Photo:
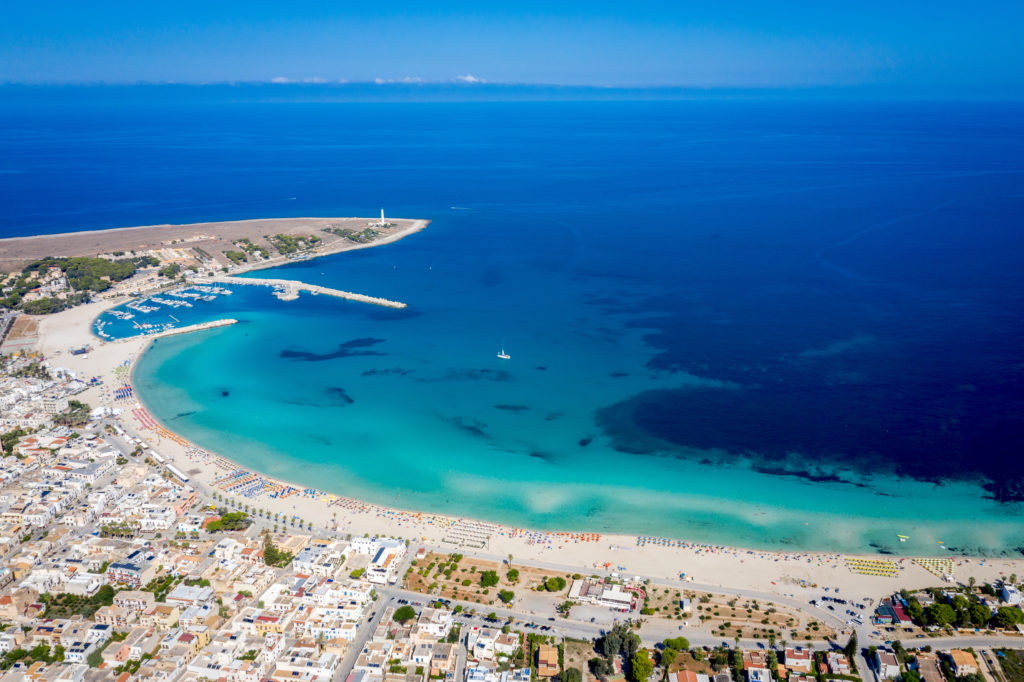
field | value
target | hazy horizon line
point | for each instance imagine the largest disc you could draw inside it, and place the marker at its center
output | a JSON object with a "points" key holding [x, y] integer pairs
{"points": [[469, 85]]}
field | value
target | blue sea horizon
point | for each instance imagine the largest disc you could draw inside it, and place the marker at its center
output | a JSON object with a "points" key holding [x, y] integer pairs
{"points": [[779, 325]]}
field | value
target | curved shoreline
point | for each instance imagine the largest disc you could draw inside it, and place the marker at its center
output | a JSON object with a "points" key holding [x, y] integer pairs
{"points": [[715, 565], [724, 565]]}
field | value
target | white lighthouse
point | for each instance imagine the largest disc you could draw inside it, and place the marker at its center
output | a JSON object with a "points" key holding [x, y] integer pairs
{"points": [[383, 222]]}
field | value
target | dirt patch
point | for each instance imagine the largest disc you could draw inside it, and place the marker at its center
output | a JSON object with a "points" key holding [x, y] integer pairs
{"points": [[686, 661], [731, 617], [24, 327], [452, 576], [577, 654]]}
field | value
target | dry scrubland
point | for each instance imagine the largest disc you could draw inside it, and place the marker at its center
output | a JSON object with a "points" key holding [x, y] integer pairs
{"points": [[214, 240], [453, 576]]}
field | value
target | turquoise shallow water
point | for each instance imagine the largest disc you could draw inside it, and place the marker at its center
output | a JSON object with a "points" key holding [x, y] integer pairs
{"points": [[787, 326], [421, 414]]}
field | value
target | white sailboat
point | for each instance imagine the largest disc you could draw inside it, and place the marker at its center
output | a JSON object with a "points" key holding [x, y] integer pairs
{"points": [[502, 354]]}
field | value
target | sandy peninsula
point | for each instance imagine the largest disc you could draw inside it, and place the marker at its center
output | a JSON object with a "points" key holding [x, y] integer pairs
{"points": [[199, 240]]}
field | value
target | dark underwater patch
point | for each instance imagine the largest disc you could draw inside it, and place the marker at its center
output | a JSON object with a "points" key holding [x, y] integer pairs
{"points": [[584, 442], [348, 349], [300, 403], [393, 371], [541, 368], [512, 408], [537, 454], [317, 438], [807, 475], [470, 375], [553, 416], [339, 396], [803, 429], [224, 393], [184, 414], [474, 427], [618, 375]]}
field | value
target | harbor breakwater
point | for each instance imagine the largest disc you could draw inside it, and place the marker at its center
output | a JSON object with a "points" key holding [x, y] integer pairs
{"points": [[184, 330], [289, 289]]}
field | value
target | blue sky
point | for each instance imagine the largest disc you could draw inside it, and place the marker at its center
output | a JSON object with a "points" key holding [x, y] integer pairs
{"points": [[925, 46]]}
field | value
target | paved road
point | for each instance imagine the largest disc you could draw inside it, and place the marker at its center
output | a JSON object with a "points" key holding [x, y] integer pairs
{"points": [[387, 595], [828, 617], [991, 641], [363, 634]]}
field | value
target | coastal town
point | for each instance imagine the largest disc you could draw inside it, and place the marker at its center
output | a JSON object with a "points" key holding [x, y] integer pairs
{"points": [[696, 357], [130, 553]]}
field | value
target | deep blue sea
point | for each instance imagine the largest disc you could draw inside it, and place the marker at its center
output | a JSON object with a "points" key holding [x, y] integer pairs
{"points": [[773, 324]]}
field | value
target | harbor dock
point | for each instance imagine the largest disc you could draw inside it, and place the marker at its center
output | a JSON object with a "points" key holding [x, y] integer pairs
{"points": [[288, 289], [185, 330]]}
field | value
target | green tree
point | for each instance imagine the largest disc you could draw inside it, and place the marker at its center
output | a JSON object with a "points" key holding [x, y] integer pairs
{"points": [[677, 643], [488, 579], [630, 645], [556, 584], [941, 615], [979, 614], [851, 647], [915, 611], [911, 676], [570, 675], [272, 556], [512, 575], [404, 613], [640, 666], [1008, 616], [40, 652], [600, 666], [105, 595], [506, 596]]}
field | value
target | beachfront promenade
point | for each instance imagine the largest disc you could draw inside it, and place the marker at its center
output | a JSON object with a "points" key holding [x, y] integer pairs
{"points": [[290, 288]]}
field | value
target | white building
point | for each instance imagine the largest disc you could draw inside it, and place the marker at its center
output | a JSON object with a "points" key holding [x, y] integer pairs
{"points": [[592, 592], [1010, 594], [434, 623], [78, 652], [888, 666], [83, 584], [384, 566]]}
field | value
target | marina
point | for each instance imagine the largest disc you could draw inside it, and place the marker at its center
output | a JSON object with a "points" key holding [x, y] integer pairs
{"points": [[174, 299], [288, 290]]}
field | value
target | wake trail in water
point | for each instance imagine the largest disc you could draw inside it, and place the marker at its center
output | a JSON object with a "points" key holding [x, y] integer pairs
{"points": [[850, 274]]}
